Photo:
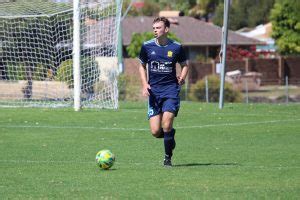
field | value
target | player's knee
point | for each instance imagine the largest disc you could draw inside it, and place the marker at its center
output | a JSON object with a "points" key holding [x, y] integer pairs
{"points": [[167, 127], [167, 124]]}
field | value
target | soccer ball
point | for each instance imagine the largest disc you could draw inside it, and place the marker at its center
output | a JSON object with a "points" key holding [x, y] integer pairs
{"points": [[105, 159]]}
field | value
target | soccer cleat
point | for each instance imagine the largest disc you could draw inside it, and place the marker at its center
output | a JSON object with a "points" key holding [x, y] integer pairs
{"points": [[167, 161]]}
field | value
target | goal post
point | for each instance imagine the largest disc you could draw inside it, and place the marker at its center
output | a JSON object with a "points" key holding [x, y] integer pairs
{"points": [[59, 53], [76, 54]]}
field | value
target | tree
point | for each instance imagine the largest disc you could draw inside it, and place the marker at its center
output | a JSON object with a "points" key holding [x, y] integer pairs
{"points": [[204, 8], [286, 26], [245, 13], [236, 17], [259, 12], [137, 40], [180, 5]]}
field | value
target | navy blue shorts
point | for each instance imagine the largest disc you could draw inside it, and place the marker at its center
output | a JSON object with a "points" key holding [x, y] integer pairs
{"points": [[157, 105]]}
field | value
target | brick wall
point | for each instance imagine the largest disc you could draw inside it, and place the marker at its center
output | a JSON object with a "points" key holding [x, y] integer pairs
{"points": [[236, 65], [291, 68], [267, 67], [198, 71]]}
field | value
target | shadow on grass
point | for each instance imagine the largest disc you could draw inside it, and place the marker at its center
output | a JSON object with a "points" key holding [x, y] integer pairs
{"points": [[206, 164]]}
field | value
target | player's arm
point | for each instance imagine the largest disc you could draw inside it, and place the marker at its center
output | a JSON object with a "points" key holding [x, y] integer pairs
{"points": [[143, 75], [183, 74]]}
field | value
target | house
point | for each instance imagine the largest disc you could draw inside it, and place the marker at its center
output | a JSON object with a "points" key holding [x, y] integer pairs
{"points": [[262, 33], [197, 37]]}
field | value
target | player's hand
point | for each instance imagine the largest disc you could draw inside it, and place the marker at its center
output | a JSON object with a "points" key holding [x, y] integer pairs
{"points": [[181, 81], [146, 89]]}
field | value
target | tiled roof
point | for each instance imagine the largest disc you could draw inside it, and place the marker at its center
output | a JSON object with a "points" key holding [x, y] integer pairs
{"points": [[191, 31]]}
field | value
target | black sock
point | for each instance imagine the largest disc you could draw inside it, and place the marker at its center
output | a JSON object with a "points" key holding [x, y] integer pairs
{"points": [[169, 142], [174, 143]]}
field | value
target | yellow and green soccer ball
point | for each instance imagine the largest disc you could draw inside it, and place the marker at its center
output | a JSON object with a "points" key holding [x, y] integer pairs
{"points": [[105, 159]]}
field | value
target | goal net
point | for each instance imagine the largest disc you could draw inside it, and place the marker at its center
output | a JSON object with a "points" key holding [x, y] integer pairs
{"points": [[37, 53]]}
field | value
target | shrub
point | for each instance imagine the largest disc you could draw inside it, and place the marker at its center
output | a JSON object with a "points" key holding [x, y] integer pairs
{"points": [[17, 71], [65, 73], [198, 93], [129, 88], [89, 72], [40, 72]]}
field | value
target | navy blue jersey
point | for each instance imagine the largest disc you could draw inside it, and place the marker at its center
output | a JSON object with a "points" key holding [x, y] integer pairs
{"points": [[161, 62]]}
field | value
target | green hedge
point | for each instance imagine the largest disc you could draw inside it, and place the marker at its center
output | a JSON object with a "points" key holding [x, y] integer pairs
{"points": [[198, 91], [89, 72], [129, 88], [17, 72]]}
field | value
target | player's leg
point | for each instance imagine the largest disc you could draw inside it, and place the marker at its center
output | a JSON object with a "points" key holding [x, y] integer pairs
{"points": [[155, 126], [155, 116], [170, 109], [167, 121], [169, 133]]}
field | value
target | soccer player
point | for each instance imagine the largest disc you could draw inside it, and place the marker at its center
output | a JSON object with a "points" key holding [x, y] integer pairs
{"points": [[160, 83]]}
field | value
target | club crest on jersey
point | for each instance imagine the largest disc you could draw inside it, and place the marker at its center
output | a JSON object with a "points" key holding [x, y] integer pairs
{"points": [[170, 54]]}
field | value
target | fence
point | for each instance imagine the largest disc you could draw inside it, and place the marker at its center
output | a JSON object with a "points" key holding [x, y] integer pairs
{"points": [[273, 70], [268, 93], [279, 81]]}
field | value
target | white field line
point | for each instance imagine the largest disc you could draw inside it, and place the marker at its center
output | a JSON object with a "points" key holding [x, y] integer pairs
{"points": [[220, 165], [76, 127], [146, 129], [239, 124], [213, 113]]}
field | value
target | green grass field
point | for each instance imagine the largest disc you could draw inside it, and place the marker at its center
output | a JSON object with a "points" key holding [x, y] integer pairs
{"points": [[240, 152]]}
